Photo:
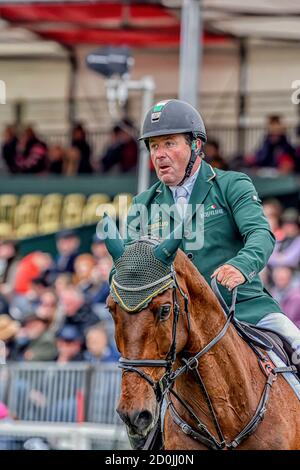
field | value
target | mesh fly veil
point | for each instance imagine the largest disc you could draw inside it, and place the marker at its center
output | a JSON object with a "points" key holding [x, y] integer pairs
{"points": [[139, 276]]}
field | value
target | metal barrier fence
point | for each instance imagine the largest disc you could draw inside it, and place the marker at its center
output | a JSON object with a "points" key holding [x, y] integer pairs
{"points": [[105, 386], [4, 381], [20, 435], [61, 393]]}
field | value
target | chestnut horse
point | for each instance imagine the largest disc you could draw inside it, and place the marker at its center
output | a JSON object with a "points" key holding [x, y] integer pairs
{"points": [[178, 347]]}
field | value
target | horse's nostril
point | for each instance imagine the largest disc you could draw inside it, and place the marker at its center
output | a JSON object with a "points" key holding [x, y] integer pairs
{"points": [[137, 421], [142, 420], [123, 415]]}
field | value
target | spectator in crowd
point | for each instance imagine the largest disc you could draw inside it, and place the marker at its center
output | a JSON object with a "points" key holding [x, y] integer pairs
{"points": [[35, 341], [286, 291], [36, 443], [69, 343], [83, 268], [29, 268], [24, 304], [67, 244], [9, 148], [297, 151], [4, 305], [76, 311], [61, 282], [276, 150], [287, 250], [100, 281], [4, 412], [98, 347], [47, 308], [31, 153], [8, 265], [213, 156], [72, 158], [8, 331], [6, 443], [80, 144], [122, 150], [56, 159], [273, 210], [30, 283], [98, 248]]}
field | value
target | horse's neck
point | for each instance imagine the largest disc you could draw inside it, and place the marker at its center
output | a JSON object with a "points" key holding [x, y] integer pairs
{"points": [[229, 370]]}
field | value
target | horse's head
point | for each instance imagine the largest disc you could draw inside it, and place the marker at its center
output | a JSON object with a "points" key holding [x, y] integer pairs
{"points": [[145, 305]]}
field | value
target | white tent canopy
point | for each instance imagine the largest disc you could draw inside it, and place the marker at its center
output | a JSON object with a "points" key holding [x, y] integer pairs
{"points": [[266, 19], [20, 42]]}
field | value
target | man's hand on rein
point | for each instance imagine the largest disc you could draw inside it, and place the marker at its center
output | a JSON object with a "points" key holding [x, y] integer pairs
{"points": [[228, 276]]}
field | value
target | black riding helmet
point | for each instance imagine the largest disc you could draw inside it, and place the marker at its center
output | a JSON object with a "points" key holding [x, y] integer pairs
{"points": [[175, 117]]}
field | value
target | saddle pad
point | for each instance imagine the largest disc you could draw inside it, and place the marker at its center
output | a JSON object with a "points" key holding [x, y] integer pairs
{"points": [[291, 379]]}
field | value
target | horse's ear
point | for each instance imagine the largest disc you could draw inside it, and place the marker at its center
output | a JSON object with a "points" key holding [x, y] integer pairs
{"points": [[166, 250], [112, 237]]}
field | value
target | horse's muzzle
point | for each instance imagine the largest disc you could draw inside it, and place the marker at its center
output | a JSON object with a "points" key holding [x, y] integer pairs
{"points": [[138, 421]]}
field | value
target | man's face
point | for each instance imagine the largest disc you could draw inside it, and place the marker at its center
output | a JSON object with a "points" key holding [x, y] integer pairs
{"points": [[99, 250], [7, 250], [67, 246], [170, 155], [69, 349], [71, 302]]}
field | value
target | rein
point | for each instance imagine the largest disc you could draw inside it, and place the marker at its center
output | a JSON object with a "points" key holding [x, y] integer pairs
{"points": [[163, 388]]}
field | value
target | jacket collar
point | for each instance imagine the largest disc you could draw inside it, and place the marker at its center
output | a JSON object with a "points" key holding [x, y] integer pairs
{"points": [[202, 186]]}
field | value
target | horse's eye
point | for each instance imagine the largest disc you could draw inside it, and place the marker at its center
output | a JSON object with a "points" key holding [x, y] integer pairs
{"points": [[164, 312]]}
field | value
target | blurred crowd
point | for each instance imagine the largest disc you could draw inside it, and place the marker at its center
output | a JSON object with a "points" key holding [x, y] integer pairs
{"points": [[24, 152], [53, 309], [276, 150], [282, 274], [275, 153]]}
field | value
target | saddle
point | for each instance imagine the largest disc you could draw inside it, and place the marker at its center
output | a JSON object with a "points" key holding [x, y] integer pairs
{"points": [[268, 340]]}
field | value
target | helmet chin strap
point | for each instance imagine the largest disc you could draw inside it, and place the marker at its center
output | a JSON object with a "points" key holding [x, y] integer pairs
{"points": [[195, 153]]}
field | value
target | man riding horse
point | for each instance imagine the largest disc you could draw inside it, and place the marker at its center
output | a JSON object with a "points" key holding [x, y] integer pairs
{"points": [[237, 239]]}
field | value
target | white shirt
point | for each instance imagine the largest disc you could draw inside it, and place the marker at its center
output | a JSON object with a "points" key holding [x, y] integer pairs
{"points": [[188, 185]]}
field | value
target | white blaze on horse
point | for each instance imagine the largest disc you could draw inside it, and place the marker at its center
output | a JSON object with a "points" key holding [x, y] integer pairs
{"points": [[180, 350]]}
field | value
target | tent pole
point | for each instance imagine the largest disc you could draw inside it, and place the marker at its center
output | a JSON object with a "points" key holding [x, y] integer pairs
{"points": [[190, 51], [143, 166], [72, 86], [243, 85]]}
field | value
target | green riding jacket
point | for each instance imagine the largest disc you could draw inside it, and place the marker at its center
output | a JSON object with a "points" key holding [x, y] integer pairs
{"points": [[226, 208]]}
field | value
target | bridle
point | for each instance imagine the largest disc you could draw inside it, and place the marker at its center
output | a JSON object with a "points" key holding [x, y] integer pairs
{"points": [[132, 365], [163, 388]]}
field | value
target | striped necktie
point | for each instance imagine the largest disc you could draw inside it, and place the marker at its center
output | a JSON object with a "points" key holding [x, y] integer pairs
{"points": [[181, 199]]}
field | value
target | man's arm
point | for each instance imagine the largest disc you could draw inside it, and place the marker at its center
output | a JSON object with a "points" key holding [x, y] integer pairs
{"points": [[248, 214]]}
